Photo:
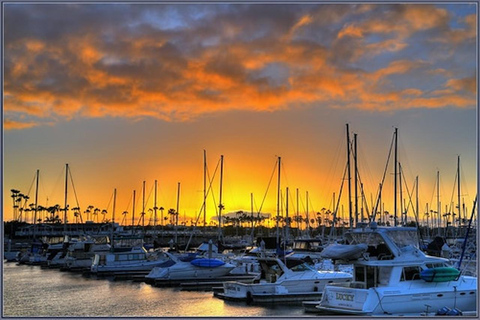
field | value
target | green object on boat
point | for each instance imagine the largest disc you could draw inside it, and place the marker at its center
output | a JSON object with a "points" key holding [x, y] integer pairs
{"points": [[439, 274]]}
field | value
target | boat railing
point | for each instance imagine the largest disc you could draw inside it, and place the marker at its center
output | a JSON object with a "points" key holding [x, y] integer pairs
{"points": [[357, 285], [340, 284]]}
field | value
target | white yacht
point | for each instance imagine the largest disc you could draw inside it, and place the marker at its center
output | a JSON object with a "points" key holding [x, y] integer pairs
{"points": [[394, 277], [278, 283], [80, 255], [198, 268], [135, 260]]}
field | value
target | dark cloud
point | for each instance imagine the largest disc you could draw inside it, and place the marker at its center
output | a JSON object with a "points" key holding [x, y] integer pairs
{"points": [[184, 60]]}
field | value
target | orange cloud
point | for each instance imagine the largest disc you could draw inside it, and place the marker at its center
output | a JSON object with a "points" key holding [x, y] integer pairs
{"points": [[155, 73], [9, 124]]}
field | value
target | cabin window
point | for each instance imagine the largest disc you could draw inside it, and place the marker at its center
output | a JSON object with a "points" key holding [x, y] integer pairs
{"points": [[371, 276], [122, 257], [410, 273], [384, 275], [360, 274], [403, 238]]}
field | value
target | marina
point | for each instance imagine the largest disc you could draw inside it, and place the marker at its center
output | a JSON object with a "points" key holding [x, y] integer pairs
{"points": [[238, 159], [391, 276]]}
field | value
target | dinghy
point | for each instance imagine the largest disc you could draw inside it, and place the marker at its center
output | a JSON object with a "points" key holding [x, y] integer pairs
{"points": [[439, 274]]}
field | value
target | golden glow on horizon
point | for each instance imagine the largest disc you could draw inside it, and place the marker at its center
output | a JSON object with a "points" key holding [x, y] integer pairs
{"points": [[126, 99]]}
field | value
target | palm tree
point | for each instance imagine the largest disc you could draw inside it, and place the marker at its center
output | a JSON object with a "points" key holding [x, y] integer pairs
{"points": [[172, 214], [104, 213], [95, 213], [161, 213]]}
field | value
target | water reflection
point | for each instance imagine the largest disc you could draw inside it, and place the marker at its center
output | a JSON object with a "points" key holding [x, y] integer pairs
{"points": [[31, 291]]}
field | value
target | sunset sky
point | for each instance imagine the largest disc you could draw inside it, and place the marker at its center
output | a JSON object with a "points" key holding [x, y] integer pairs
{"points": [[126, 93]]}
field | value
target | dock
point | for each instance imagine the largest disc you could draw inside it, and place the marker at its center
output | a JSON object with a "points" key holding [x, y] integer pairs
{"points": [[202, 284]]}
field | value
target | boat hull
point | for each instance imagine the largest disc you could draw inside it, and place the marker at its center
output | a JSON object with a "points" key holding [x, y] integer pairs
{"points": [[410, 299]]}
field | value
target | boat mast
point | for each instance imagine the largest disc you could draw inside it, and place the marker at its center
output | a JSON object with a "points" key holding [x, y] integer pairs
{"points": [[458, 190], [395, 180], [278, 202], [66, 191], [349, 181], [220, 205], [307, 218], [287, 221], [438, 203], [155, 208], [36, 205], [176, 216], [204, 189], [416, 201], [356, 177], [133, 213], [143, 207], [400, 193], [113, 213], [297, 216]]}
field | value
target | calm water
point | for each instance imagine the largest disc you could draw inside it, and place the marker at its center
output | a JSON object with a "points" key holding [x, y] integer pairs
{"points": [[30, 291]]}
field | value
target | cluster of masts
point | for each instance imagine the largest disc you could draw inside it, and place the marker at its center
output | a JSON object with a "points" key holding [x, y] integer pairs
{"points": [[358, 214]]}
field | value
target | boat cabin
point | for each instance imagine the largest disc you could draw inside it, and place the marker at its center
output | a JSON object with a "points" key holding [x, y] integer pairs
{"points": [[313, 245], [272, 268], [384, 243], [379, 269], [372, 276], [122, 257]]}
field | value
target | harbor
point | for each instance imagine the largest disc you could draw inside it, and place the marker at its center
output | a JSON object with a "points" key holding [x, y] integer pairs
{"points": [[240, 160], [384, 272]]}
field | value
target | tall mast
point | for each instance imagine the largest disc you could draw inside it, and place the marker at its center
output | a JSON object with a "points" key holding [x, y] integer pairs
{"points": [[400, 192], [113, 212], [395, 181], [458, 190], [204, 189], [287, 224], [36, 205], [308, 218], [349, 181], [298, 226], [438, 203], [251, 214], [155, 207], [356, 177], [176, 216], [143, 206], [133, 212], [66, 200], [220, 205], [416, 201], [278, 202], [114, 202]]}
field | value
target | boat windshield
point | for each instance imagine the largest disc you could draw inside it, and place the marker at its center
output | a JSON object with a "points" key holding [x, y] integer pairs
{"points": [[403, 238], [370, 239], [302, 267]]}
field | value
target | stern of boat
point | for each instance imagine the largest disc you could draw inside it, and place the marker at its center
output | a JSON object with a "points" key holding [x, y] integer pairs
{"points": [[344, 300], [234, 290]]}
